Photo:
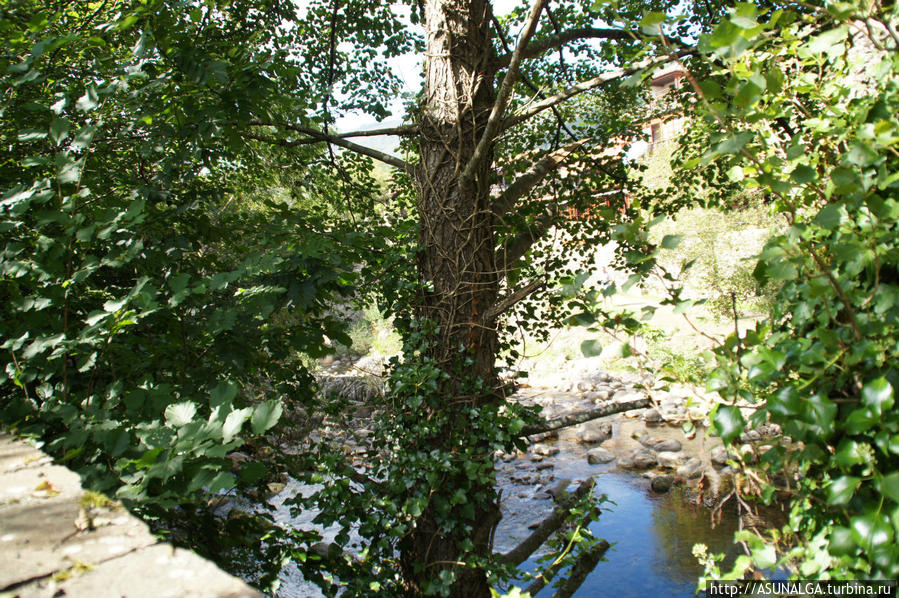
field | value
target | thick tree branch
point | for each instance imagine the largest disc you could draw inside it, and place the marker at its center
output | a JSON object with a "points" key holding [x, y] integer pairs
{"points": [[573, 419], [502, 98], [524, 183], [580, 88], [512, 251], [315, 136], [512, 298], [551, 43], [554, 521]]}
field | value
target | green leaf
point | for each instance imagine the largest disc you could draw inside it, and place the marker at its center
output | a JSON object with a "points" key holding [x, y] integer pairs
{"points": [[804, 174], [871, 531], [591, 348], [89, 100], [734, 143], [889, 486], [671, 241], [842, 489], [651, 22], [223, 481], [59, 130], [878, 395], [829, 217], [765, 557], [729, 422], [827, 41], [180, 414], [265, 416], [234, 422]]}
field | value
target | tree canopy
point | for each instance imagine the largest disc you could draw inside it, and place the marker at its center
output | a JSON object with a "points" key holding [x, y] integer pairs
{"points": [[182, 223]]}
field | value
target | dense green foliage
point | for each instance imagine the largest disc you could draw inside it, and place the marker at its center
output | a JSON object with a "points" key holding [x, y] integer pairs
{"points": [[804, 108], [146, 313]]}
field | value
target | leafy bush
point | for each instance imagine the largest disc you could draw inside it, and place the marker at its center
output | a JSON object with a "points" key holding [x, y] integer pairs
{"points": [[802, 104]]}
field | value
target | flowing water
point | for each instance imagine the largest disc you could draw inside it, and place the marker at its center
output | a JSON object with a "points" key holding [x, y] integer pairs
{"points": [[652, 535]]}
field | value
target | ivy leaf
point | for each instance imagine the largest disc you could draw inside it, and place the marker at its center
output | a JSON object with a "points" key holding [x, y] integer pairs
{"points": [[871, 531], [729, 422], [842, 489], [878, 395], [889, 485]]}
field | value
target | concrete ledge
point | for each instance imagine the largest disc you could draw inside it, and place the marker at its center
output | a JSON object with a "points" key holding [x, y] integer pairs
{"points": [[58, 540]]}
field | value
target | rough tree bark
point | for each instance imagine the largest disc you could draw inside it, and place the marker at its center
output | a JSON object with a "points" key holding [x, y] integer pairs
{"points": [[456, 263]]}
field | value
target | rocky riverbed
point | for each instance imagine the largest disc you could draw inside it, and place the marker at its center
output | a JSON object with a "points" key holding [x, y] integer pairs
{"points": [[667, 442], [664, 476]]}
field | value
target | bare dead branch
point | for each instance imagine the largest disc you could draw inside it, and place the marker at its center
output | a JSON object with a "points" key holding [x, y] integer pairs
{"points": [[315, 136], [400, 131], [537, 48], [554, 521], [512, 298], [502, 98], [524, 183], [573, 419], [580, 88]]}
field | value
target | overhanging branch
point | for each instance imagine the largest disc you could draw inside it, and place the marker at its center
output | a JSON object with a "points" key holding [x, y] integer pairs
{"points": [[315, 136], [537, 48], [554, 521], [400, 131], [511, 252], [573, 419], [580, 88], [512, 298]]}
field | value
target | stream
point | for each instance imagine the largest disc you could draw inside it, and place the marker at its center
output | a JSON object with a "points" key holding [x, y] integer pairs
{"points": [[652, 535]]}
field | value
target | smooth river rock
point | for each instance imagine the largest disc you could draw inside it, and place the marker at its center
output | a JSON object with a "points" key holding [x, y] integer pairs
{"points": [[691, 469], [642, 458], [594, 432], [599, 455], [662, 483], [671, 460]]}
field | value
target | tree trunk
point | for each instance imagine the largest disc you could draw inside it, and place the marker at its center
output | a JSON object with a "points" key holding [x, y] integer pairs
{"points": [[458, 272]]}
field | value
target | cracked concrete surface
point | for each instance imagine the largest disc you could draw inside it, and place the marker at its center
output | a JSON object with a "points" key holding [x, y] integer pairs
{"points": [[51, 544]]}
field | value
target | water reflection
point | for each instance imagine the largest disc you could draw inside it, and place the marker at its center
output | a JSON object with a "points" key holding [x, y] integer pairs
{"points": [[652, 540]]}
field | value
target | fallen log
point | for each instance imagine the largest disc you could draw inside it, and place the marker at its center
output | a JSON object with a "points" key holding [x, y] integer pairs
{"points": [[572, 419], [554, 521]]}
